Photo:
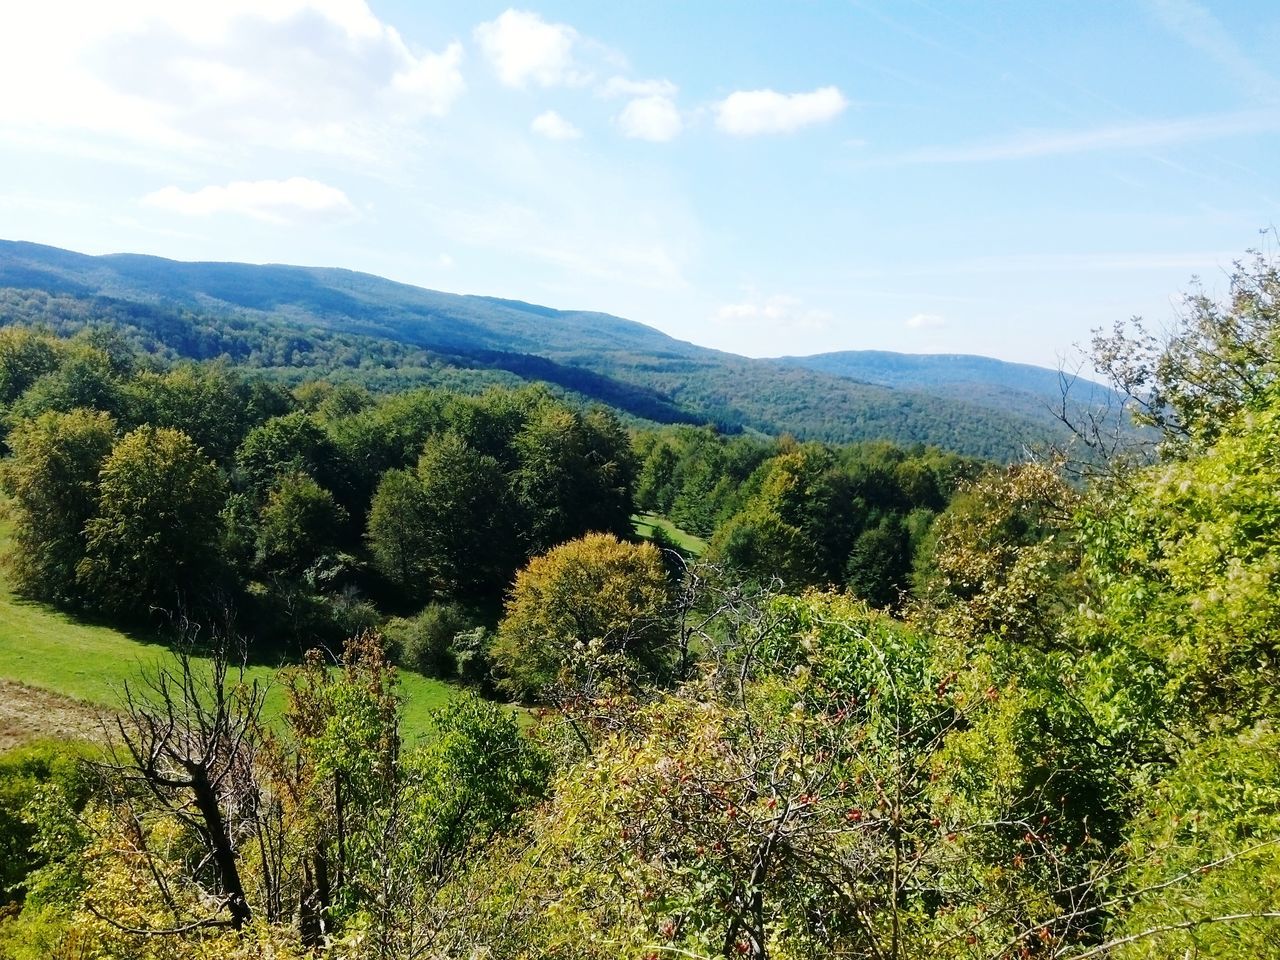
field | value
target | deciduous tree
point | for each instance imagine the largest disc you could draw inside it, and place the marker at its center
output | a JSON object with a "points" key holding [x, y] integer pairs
{"points": [[53, 480], [153, 539], [590, 609]]}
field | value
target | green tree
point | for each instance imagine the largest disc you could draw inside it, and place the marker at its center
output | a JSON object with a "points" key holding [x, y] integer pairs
{"points": [[575, 476], [85, 377], [1186, 556], [425, 642], [655, 486], [297, 525], [589, 610], [388, 435], [1220, 357], [207, 403], [25, 774], [25, 356], [466, 518], [341, 766], [154, 538], [797, 526], [53, 480], [879, 566], [1001, 560], [468, 781], [397, 531], [285, 445]]}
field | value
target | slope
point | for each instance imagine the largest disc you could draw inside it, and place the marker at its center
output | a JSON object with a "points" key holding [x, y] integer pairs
{"points": [[626, 364], [997, 384]]}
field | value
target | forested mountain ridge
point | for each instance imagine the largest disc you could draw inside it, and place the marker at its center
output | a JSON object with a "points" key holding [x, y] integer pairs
{"points": [[999, 384], [620, 362]]}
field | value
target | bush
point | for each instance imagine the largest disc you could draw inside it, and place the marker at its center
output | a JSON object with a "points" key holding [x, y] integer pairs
{"points": [[471, 653], [425, 642], [23, 771]]}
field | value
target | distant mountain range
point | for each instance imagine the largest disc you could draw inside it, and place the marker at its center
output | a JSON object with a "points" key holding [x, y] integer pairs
{"points": [[973, 405], [962, 376]]}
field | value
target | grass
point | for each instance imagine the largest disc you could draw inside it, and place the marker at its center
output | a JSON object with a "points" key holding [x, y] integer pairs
{"points": [[51, 650], [646, 523]]}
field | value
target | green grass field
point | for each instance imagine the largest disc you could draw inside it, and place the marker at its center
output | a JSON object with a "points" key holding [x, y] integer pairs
{"points": [[42, 647], [646, 523]]}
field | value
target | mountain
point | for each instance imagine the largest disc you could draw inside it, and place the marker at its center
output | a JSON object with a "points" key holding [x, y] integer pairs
{"points": [[997, 384], [188, 308]]}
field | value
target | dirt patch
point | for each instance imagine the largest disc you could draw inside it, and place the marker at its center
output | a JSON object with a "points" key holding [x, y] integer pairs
{"points": [[29, 713]]}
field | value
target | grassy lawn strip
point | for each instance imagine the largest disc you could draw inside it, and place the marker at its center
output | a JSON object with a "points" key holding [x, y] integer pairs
{"points": [[45, 648], [646, 523]]}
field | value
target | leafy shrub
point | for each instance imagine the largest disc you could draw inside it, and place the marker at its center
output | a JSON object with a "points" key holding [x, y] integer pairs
{"points": [[425, 642], [24, 771]]}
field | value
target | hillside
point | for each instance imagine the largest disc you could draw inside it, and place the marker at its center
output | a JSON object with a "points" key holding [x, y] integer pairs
{"points": [[620, 362], [997, 384]]}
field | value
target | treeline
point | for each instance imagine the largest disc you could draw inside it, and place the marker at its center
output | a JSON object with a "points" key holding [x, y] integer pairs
{"points": [[141, 484], [306, 324], [138, 487], [294, 350], [809, 514]]}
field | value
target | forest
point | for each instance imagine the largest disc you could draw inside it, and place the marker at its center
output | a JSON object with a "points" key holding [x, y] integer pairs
{"points": [[298, 322], [856, 700]]}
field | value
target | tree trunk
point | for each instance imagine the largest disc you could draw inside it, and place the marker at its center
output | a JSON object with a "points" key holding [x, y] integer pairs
{"points": [[224, 856]]}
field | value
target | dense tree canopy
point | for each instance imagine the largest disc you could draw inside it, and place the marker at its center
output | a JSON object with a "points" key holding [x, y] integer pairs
{"points": [[53, 480], [152, 540]]}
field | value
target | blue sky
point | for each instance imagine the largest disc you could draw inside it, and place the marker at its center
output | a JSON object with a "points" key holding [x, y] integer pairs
{"points": [[767, 178]]}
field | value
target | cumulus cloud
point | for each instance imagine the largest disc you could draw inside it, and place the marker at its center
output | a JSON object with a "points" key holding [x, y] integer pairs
{"points": [[747, 113], [551, 125], [524, 49], [653, 118], [925, 321], [318, 75], [272, 201], [432, 82]]}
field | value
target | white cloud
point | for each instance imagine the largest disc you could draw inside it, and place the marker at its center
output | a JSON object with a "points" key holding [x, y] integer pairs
{"points": [[523, 48], [651, 118], [554, 127], [272, 201], [626, 87], [432, 82], [314, 75], [926, 321], [748, 113], [1134, 136], [780, 313]]}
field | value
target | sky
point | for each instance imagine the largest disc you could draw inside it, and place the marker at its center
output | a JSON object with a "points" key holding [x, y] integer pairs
{"points": [[926, 176]]}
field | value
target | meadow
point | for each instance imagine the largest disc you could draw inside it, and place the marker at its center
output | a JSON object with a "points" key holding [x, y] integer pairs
{"points": [[89, 663]]}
